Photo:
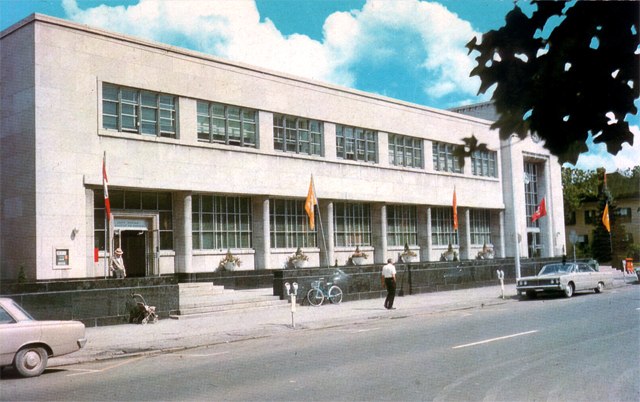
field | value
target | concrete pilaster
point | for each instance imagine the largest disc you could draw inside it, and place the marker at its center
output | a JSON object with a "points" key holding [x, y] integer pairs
{"points": [[325, 235], [465, 236], [184, 235], [261, 232], [379, 232], [502, 253], [423, 217]]}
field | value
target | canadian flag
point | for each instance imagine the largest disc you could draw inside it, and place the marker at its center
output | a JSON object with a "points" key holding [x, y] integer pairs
{"points": [[540, 211], [105, 185]]}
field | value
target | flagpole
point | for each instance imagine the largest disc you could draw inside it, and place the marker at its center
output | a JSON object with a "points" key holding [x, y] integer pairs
{"points": [[106, 229], [324, 243]]}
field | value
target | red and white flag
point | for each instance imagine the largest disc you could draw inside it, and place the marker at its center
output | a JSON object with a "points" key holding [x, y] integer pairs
{"points": [[105, 185], [540, 211]]}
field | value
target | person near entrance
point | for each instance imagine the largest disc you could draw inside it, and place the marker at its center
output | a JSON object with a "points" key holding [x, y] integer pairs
{"points": [[117, 264], [388, 279]]}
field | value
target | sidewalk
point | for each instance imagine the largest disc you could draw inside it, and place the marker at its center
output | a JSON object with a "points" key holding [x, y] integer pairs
{"points": [[128, 340]]}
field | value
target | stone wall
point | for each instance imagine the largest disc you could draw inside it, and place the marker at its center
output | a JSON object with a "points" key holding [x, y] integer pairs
{"points": [[363, 282], [94, 302]]}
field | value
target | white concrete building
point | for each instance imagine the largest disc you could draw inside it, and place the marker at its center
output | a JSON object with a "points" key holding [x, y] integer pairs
{"points": [[205, 155]]}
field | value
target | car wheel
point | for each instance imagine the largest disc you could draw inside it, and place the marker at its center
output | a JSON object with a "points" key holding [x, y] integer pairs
{"points": [[568, 291], [599, 288], [31, 361]]}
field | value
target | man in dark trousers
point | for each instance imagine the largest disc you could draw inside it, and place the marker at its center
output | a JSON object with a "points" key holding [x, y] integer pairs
{"points": [[388, 279]]}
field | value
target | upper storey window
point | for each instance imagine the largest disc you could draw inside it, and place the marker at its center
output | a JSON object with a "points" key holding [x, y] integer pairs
{"points": [[231, 125], [356, 144], [444, 159], [137, 111], [483, 163], [405, 151], [295, 134]]}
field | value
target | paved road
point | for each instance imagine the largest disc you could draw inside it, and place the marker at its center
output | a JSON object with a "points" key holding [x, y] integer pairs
{"points": [[584, 348]]}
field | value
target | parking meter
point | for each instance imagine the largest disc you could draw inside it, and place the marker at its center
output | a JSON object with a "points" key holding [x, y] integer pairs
{"points": [[292, 292]]}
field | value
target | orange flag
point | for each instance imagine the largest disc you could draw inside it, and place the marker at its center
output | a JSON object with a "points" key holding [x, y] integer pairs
{"points": [[455, 210], [605, 218], [309, 204]]}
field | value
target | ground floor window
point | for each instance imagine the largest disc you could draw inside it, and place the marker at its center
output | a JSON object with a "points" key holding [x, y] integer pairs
{"points": [[352, 224], [290, 225], [134, 201], [442, 231], [402, 226], [220, 223], [480, 226]]}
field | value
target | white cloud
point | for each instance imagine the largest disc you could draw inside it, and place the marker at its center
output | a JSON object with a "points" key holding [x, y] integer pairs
{"points": [[598, 157], [234, 30]]}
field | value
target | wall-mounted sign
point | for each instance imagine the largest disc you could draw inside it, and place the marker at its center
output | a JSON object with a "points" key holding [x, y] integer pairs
{"points": [[131, 224], [62, 257]]}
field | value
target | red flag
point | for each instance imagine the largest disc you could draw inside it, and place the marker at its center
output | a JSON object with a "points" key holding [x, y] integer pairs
{"points": [[455, 210], [105, 184], [309, 204], [540, 211], [605, 217]]}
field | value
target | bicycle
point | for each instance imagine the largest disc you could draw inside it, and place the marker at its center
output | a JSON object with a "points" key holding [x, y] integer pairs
{"points": [[318, 293]]}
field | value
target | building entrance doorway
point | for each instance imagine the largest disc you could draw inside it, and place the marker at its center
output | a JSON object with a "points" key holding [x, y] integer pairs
{"points": [[134, 234], [133, 244]]}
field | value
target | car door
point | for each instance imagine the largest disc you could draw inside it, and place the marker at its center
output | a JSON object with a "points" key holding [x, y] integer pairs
{"points": [[585, 279]]}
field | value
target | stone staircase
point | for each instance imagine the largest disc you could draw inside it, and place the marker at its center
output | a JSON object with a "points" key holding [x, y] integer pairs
{"points": [[204, 298]]}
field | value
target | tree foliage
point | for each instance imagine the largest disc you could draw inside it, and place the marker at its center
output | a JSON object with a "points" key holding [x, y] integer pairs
{"points": [[577, 186], [563, 85]]}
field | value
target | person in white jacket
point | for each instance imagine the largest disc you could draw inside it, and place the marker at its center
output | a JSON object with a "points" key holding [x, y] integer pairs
{"points": [[117, 264]]}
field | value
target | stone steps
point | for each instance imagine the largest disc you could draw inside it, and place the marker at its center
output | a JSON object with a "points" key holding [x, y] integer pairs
{"points": [[197, 299]]}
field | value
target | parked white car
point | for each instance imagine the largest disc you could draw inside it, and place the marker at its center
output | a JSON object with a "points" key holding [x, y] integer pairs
{"points": [[566, 278], [27, 344]]}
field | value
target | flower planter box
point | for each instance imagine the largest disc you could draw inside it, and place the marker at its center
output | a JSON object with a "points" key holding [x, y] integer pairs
{"points": [[230, 266], [300, 263], [409, 258], [358, 260]]}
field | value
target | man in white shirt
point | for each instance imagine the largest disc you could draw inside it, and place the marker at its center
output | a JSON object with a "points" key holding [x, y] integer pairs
{"points": [[388, 279]]}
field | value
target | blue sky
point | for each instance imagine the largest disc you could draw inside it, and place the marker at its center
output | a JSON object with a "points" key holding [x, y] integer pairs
{"points": [[411, 50]]}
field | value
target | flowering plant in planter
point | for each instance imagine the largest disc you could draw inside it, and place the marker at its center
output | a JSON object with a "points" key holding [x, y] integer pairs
{"points": [[408, 255], [298, 259], [450, 254], [229, 262], [358, 257], [487, 253]]}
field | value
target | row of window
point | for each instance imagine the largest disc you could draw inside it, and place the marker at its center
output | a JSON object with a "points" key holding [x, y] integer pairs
{"points": [[591, 216], [148, 113], [220, 222]]}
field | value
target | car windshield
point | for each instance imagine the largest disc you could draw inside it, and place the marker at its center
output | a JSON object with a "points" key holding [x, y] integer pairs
{"points": [[553, 269]]}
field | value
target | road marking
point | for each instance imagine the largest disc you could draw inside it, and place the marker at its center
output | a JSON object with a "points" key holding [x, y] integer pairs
{"points": [[494, 339], [204, 354], [88, 371]]}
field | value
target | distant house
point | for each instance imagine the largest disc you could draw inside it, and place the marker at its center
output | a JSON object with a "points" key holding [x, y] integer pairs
{"points": [[581, 224]]}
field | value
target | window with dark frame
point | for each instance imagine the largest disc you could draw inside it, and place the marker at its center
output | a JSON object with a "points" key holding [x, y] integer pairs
{"points": [[290, 224], [226, 124], [297, 135], [358, 144], [444, 159], [405, 151], [138, 111]]}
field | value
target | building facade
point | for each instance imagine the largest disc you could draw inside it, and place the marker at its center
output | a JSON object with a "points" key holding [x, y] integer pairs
{"points": [[205, 156]]}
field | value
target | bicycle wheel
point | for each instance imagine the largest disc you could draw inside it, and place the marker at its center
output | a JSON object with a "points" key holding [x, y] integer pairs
{"points": [[335, 294], [315, 297]]}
